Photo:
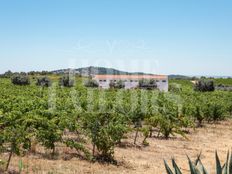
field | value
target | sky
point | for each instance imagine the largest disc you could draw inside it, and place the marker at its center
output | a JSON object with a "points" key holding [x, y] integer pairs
{"points": [[188, 37]]}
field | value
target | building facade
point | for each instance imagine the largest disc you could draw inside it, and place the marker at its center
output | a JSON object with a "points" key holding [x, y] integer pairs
{"points": [[131, 81]]}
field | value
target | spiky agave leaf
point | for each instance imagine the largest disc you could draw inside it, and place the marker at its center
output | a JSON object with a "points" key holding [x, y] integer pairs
{"points": [[203, 170], [175, 166], [225, 167], [218, 165], [192, 167], [198, 159], [230, 164], [169, 171], [197, 167]]}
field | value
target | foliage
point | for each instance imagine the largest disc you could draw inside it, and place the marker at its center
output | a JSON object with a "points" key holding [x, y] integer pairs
{"points": [[117, 85], [99, 117], [230, 108], [175, 87], [168, 116], [20, 80], [44, 82], [147, 84], [204, 85], [198, 168], [7, 74], [223, 87], [66, 81], [91, 83], [224, 81], [14, 135], [105, 131]]}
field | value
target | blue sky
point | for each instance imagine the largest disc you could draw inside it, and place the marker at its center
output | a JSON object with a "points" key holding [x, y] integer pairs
{"points": [[191, 37]]}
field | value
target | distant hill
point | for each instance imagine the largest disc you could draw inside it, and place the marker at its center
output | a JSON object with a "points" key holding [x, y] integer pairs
{"points": [[91, 71]]}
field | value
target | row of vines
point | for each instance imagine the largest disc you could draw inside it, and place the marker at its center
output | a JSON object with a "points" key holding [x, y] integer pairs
{"points": [[94, 121]]}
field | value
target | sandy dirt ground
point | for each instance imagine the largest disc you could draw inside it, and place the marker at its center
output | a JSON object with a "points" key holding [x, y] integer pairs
{"points": [[139, 160]]}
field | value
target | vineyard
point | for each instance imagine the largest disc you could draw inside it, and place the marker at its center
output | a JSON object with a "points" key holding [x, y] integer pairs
{"points": [[93, 122]]}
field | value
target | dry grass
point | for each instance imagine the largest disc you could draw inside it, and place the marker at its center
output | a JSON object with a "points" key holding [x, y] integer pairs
{"points": [[139, 159]]}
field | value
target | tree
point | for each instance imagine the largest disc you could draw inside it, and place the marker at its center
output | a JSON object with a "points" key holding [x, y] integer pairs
{"points": [[20, 79], [204, 86], [7, 74], [44, 82], [91, 83], [117, 85], [66, 81]]}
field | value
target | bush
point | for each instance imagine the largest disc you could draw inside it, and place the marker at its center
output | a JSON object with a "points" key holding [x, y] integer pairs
{"points": [[91, 83], [222, 87], [230, 109], [105, 130], [168, 116], [204, 86], [44, 82], [66, 81], [20, 80], [147, 84], [117, 85], [175, 87], [215, 111]]}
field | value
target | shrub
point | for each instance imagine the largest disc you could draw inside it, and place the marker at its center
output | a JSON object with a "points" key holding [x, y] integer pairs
{"points": [[91, 83], [66, 81], [168, 116], [105, 131], [204, 85], [222, 87], [230, 109], [175, 87], [215, 111], [147, 84], [44, 82], [20, 80], [117, 85]]}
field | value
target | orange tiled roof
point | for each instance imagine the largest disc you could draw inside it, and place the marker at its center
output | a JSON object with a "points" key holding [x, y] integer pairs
{"points": [[130, 77]]}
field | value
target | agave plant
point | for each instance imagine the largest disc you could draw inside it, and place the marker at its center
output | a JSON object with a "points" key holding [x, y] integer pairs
{"points": [[197, 167]]}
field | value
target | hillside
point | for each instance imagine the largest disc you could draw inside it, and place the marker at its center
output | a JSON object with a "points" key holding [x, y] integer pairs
{"points": [[91, 70]]}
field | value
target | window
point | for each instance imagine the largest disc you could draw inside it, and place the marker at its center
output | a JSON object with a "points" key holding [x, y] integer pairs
{"points": [[100, 80], [131, 81], [164, 81], [104, 80], [157, 80]]}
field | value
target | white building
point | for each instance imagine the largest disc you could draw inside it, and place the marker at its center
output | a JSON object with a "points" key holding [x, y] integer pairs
{"points": [[131, 81]]}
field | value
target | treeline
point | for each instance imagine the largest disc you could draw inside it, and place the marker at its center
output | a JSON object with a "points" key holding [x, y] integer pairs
{"points": [[9, 74]]}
